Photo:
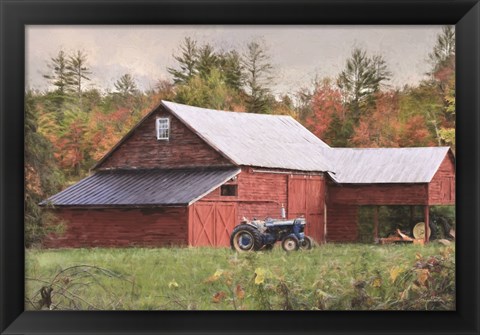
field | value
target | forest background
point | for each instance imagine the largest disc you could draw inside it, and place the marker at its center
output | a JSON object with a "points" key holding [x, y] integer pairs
{"points": [[71, 125]]}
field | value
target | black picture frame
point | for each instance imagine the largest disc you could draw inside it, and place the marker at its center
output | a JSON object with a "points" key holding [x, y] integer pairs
{"points": [[15, 15]]}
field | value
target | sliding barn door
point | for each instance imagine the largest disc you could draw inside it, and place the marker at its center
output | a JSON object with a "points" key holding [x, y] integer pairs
{"points": [[306, 196]]}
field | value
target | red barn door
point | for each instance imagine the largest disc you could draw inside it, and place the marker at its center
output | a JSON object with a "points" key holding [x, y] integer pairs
{"points": [[306, 198], [212, 223], [225, 221]]}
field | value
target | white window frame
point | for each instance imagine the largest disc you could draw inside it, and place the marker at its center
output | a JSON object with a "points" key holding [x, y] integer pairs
{"points": [[162, 128]]}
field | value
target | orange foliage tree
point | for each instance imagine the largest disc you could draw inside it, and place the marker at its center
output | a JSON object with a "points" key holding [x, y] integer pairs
{"points": [[326, 105]]}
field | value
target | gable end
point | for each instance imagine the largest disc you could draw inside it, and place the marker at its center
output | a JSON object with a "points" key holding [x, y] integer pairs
{"points": [[141, 149]]}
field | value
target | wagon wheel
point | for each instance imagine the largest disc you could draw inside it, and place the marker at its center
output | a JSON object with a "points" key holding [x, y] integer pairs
{"points": [[419, 231]]}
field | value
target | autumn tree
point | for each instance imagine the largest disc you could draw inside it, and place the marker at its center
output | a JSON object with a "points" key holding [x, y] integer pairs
{"points": [[326, 105], [42, 176], [258, 76], [71, 145], [210, 92], [283, 106], [303, 103], [443, 76], [381, 128], [164, 90]]}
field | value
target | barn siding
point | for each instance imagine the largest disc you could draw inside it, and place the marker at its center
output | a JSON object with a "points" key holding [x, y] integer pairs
{"points": [[342, 223], [384, 194], [183, 149], [441, 190], [261, 195], [121, 227]]}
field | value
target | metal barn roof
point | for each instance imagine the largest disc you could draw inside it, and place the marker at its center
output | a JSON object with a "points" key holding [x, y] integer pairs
{"points": [[386, 165], [142, 187], [272, 141]]}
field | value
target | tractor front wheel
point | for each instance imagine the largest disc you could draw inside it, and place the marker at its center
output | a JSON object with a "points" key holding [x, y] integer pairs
{"points": [[245, 238], [307, 243], [290, 243]]}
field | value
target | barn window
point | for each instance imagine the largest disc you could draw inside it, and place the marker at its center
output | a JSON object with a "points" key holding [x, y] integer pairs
{"points": [[228, 190], [163, 128]]}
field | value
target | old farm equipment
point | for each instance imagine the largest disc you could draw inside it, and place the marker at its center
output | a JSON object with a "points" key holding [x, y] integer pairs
{"points": [[439, 229], [255, 235]]}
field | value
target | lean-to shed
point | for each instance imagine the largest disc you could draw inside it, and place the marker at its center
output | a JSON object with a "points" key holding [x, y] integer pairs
{"points": [[386, 177]]}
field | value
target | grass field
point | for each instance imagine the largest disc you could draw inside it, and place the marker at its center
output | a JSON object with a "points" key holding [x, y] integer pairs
{"points": [[329, 277]]}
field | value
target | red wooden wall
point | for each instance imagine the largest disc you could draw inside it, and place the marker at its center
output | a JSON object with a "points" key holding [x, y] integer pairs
{"points": [[380, 194], [183, 149], [441, 190], [261, 195], [122, 227], [342, 223]]}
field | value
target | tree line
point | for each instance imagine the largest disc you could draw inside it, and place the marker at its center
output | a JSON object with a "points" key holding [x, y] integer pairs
{"points": [[72, 124]]}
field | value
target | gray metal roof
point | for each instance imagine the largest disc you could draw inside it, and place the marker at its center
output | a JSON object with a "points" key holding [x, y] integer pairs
{"points": [[142, 187], [272, 141], [386, 165]]}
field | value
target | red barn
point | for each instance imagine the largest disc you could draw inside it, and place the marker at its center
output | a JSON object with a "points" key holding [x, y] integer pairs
{"points": [[186, 176]]}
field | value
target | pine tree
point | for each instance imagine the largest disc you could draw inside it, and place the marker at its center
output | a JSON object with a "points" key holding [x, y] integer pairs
{"points": [[60, 77], [187, 61], [78, 72], [362, 77], [444, 50], [258, 69], [126, 85], [231, 65], [207, 61]]}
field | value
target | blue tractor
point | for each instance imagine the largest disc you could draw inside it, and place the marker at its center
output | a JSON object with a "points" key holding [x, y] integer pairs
{"points": [[256, 235]]}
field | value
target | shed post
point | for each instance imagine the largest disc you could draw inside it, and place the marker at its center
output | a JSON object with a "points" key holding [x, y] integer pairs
{"points": [[324, 222], [427, 223], [375, 223]]}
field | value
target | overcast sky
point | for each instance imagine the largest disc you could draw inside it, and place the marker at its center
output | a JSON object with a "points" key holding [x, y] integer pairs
{"points": [[299, 53]]}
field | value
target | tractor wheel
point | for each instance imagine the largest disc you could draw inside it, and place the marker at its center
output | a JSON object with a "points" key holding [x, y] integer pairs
{"points": [[290, 243], [245, 238], [307, 243]]}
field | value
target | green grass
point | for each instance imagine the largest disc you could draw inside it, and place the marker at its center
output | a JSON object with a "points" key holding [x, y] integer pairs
{"points": [[330, 277]]}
